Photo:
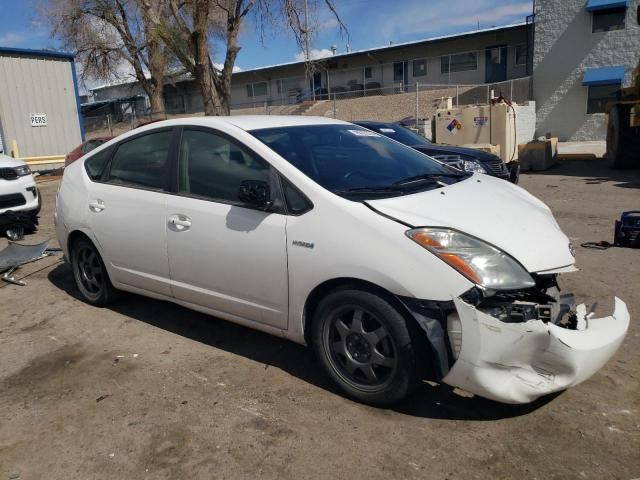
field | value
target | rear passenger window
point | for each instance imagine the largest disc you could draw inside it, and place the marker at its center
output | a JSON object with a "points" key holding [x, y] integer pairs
{"points": [[142, 162], [95, 165], [213, 167]]}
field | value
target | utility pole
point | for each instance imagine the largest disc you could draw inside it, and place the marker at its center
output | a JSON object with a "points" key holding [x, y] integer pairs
{"points": [[306, 29], [306, 49]]}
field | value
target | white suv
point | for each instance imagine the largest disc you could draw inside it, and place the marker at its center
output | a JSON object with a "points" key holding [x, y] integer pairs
{"points": [[19, 197], [396, 268]]}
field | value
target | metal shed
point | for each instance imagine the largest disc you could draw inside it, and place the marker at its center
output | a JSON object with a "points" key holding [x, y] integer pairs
{"points": [[40, 117]]}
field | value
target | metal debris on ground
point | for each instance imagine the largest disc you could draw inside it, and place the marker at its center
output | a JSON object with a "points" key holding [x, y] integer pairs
{"points": [[16, 255]]}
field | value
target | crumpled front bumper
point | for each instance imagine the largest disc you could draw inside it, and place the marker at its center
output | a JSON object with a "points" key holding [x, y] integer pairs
{"points": [[519, 362]]}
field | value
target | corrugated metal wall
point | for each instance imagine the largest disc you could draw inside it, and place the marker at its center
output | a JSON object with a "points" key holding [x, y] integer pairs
{"points": [[29, 84]]}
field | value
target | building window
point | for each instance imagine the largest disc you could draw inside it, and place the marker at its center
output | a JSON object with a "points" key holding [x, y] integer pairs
{"points": [[367, 72], [521, 54], [608, 20], [459, 62], [600, 95], [419, 68], [258, 89]]}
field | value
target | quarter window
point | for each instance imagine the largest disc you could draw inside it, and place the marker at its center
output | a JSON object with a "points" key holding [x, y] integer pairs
{"points": [[142, 161], [608, 20], [211, 166], [600, 95], [297, 204], [96, 163]]}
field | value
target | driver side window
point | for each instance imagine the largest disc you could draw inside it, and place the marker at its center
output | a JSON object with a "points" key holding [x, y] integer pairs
{"points": [[211, 166]]}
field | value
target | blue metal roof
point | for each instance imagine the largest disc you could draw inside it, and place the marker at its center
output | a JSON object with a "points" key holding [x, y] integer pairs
{"points": [[37, 53], [603, 76], [593, 5]]}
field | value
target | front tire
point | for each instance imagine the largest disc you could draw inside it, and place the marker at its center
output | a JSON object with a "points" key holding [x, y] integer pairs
{"points": [[90, 274], [367, 347]]}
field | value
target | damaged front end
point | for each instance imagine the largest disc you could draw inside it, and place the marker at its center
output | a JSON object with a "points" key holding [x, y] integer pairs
{"points": [[514, 347]]}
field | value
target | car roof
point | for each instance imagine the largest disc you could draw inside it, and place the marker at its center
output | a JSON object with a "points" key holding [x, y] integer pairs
{"points": [[248, 122]]}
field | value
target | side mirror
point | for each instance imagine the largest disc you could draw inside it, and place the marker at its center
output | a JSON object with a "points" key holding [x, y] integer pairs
{"points": [[256, 193]]}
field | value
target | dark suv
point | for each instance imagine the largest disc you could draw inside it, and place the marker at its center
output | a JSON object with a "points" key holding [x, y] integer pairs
{"points": [[466, 159]]}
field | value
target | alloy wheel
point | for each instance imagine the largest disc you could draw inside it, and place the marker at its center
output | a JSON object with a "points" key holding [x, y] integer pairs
{"points": [[90, 272], [360, 348]]}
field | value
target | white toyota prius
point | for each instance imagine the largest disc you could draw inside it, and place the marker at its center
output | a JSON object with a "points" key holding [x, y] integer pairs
{"points": [[394, 267]]}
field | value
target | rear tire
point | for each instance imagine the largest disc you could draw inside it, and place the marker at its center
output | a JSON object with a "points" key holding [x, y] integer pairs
{"points": [[367, 347], [90, 274]]}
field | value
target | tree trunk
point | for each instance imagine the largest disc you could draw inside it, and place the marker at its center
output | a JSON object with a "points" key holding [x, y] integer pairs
{"points": [[156, 99], [157, 61]]}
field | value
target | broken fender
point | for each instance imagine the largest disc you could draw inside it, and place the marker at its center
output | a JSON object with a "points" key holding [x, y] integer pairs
{"points": [[519, 362]]}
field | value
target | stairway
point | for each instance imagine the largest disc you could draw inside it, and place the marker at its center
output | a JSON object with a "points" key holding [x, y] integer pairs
{"points": [[303, 107]]}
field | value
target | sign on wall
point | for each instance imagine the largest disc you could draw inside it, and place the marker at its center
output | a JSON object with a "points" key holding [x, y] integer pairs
{"points": [[38, 119]]}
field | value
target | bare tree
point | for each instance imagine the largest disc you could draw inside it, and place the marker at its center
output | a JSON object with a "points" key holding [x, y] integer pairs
{"points": [[194, 23], [109, 36]]}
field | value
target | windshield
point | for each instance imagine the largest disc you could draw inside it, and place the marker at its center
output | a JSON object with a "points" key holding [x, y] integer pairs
{"points": [[348, 158], [398, 133]]}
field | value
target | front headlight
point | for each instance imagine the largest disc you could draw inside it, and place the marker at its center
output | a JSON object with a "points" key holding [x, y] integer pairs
{"points": [[480, 262], [473, 166], [22, 170]]}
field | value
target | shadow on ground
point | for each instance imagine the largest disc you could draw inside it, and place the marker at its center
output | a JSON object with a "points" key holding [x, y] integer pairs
{"points": [[435, 401], [594, 172]]}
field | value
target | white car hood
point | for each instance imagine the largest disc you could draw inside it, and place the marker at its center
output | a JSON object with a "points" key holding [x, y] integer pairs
{"points": [[493, 210], [6, 161]]}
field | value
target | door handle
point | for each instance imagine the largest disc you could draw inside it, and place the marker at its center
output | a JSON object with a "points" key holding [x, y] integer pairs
{"points": [[96, 206], [179, 223]]}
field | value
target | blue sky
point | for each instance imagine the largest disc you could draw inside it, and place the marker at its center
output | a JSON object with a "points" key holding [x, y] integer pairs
{"points": [[370, 23]]}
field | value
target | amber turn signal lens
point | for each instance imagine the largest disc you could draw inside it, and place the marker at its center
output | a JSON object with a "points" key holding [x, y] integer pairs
{"points": [[426, 240], [459, 264]]}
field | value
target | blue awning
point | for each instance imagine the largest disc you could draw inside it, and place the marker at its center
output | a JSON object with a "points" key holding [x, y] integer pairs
{"points": [[593, 5], [603, 76]]}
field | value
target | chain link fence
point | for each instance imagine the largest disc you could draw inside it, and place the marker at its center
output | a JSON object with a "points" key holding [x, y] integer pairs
{"points": [[411, 103]]}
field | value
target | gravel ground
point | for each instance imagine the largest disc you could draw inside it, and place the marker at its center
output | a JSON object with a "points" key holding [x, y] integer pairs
{"points": [[146, 389]]}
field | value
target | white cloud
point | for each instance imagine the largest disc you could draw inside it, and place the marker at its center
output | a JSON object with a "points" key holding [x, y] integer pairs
{"points": [[11, 39], [314, 54], [219, 66]]}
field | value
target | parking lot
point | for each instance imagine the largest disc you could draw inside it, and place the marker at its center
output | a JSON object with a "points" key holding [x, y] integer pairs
{"points": [[147, 389]]}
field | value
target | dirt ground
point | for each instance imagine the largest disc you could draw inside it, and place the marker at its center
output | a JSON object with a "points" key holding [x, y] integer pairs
{"points": [[146, 389]]}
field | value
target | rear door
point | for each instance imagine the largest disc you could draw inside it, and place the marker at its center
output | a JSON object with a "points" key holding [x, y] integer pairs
{"points": [[127, 211], [225, 255]]}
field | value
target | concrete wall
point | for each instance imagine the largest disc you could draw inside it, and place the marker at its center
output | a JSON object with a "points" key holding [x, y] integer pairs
{"points": [[32, 84], [564, 48]]}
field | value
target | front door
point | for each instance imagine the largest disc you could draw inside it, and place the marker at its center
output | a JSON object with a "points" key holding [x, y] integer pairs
{"points": [[223, 254], [127, 212], [496, 59], [401, 73]]}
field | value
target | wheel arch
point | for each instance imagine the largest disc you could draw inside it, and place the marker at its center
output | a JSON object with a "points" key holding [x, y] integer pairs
{"points": [[342, 283], [74, 236]]}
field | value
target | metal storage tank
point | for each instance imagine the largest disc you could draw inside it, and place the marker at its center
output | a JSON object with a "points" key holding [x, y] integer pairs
{"points": [[40, 117]]}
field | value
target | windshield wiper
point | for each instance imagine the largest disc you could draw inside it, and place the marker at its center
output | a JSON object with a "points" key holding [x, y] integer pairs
{"points": [[370, 189], [431, 178]]}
